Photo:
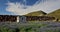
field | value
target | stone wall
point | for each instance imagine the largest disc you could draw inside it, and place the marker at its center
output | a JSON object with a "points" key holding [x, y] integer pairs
{"points": [[39, 18], [25, 18], [8, 18]]}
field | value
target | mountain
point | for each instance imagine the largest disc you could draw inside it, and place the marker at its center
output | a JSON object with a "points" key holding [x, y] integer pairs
{"points": [[56, 14], [36, 13]]}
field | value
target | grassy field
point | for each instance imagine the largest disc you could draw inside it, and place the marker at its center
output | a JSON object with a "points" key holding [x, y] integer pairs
{"points": [[34, 26]]}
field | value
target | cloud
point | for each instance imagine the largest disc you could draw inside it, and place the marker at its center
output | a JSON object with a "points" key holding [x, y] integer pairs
{"points": [[46, 6]]}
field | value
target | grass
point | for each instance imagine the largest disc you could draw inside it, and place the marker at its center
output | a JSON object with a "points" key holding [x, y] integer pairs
{"points": [[36, 13], [55, 14], [28, 27], [56, 30], [5, 29]]}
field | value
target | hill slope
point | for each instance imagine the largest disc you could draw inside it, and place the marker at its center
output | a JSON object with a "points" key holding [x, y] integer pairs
{"points": [[55, 14], [36, 13]]}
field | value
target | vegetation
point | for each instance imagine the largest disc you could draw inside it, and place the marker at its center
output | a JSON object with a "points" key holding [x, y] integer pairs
{"points": [[22, 28], [56, 30], [5, 29], [28, 27], [37, 13], [55, 14]]}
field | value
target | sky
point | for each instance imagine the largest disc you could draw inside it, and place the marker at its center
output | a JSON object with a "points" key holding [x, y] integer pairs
{"points": [[22, 7]]}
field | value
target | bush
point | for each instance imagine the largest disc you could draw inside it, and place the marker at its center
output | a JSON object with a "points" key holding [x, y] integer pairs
{"points": [[5, 29]]}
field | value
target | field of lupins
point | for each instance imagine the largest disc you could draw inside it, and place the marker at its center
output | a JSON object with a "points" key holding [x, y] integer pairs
{"points": [[33, 26]]}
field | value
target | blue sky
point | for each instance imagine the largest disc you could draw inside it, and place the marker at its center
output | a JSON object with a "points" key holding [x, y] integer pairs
{"points": [[3, 5], [22, 7]]}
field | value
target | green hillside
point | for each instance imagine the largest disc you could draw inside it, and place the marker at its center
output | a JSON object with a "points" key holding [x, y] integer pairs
{"points": [[36, 13], [55, 14]]}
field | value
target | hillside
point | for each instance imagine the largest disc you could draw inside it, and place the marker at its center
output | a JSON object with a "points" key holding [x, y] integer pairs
{"points": [[55, 14], [36, 13]]}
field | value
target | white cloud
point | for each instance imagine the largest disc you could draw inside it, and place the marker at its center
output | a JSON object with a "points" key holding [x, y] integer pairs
{"points": [[47, 6]]}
